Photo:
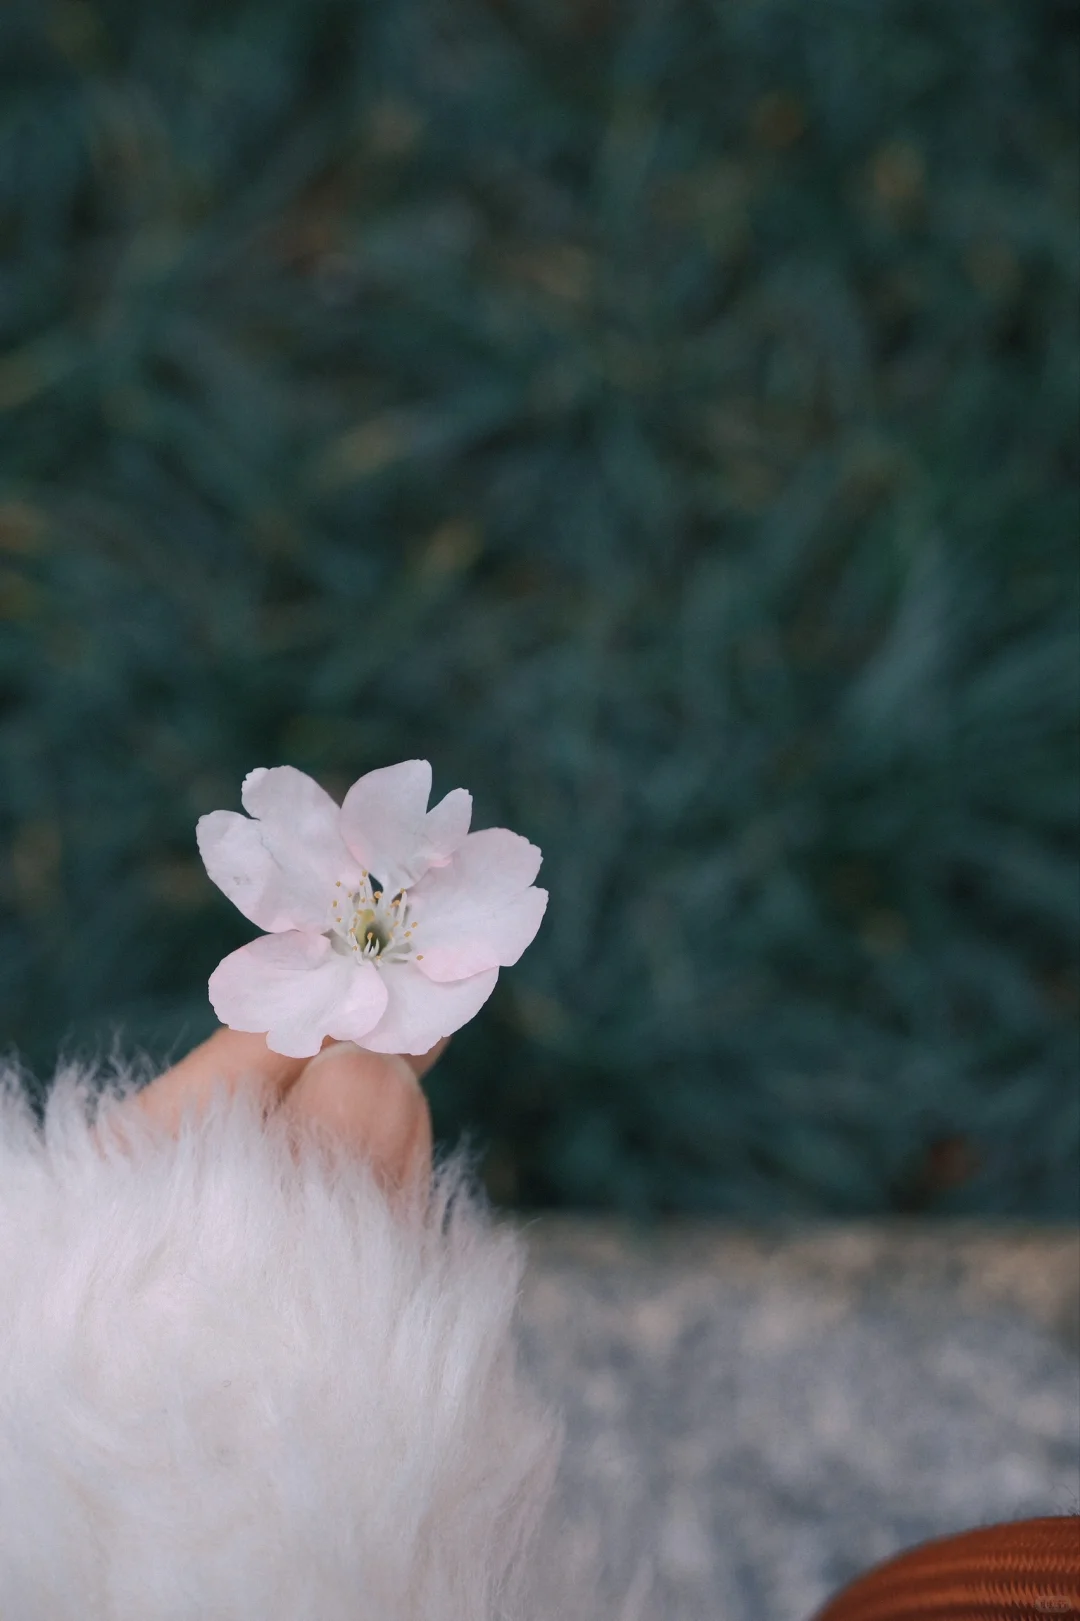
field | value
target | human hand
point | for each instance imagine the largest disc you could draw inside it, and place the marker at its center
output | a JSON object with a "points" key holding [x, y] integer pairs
{"points": [[368, 1103]]}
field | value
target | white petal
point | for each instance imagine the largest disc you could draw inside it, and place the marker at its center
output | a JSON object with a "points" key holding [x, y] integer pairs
{"points": [[391, 832], [279, 869], [419, 1012], [298, 990], [479, 912], [446, 825], [240, 865], [300, 824]]}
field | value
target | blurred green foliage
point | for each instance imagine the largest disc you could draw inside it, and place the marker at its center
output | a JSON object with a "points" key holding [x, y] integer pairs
{"points": [[661, 416]]}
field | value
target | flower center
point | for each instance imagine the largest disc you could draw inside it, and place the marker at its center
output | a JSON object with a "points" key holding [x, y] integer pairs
{"points": [[370, 925]]}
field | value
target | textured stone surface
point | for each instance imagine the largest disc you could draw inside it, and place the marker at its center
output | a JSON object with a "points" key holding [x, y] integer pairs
{"points": [[755, 1418]]}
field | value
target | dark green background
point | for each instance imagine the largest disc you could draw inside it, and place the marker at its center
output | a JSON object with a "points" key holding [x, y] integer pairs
{"points": [[662, 417]]}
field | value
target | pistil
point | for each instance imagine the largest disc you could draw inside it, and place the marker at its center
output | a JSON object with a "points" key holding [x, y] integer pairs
{"points": [[370, 926]]}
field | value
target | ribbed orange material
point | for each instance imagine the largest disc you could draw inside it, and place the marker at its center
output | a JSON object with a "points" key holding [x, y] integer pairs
{"points": [[1027, 1570]]}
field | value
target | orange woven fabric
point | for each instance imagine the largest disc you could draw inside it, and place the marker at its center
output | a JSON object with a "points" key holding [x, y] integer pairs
{"points": [[1027, 1570]]}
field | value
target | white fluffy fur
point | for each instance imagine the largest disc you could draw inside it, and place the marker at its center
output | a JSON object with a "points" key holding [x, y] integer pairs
{"points": [[238, 1387]]}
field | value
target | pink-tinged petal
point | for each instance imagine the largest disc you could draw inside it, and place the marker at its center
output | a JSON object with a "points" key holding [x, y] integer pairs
{"points": [[419, 1013], [389, 829], [298, 990], [479, 912], [497, 939]]}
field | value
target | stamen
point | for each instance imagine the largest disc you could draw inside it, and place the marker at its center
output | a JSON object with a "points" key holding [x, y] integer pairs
{"points": [[376, 926]]}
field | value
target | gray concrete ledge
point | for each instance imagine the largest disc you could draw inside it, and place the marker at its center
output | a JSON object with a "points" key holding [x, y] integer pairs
{"points": [[753, 1418]]}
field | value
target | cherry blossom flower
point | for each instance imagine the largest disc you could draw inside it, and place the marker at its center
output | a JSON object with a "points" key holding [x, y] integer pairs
{"points": [[387, 923]]}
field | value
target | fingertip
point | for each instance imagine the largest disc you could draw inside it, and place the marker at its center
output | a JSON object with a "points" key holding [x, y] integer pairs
{"points": [[369, 1104]]}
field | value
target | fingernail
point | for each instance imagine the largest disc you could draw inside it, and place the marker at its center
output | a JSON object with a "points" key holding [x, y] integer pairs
{"points": [[336, 1049], [350, 1049]]}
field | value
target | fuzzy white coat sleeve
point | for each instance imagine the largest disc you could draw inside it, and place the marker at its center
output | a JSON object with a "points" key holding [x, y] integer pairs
{"points": [[239, 1386]]}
